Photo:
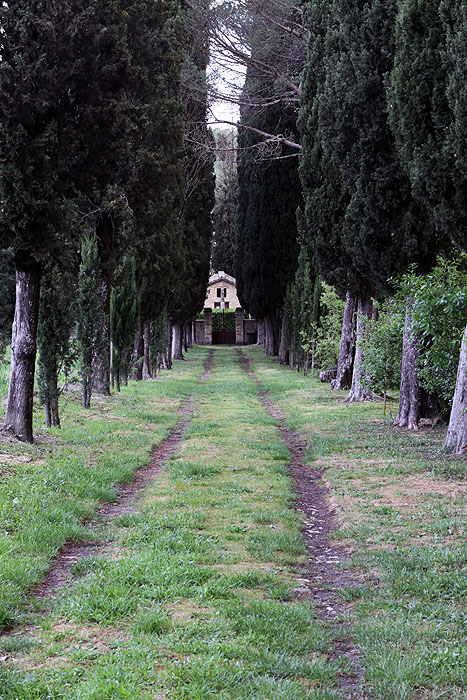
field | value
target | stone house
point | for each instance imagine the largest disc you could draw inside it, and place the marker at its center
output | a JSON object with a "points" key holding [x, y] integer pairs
{"points": [[221, 287]]}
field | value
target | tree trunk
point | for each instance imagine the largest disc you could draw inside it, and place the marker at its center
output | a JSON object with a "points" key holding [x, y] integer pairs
{"points": [[343, 379], [410, 392], [305, 363], [269, 335], [291, 359], [185, 337], [283, 350], [357, 391], [52, 415], [189, 335], [168, 345], [146, 371], [456, 439], [193, 332], [18, 415], [177, 341], [260, 333], [138, 352]]}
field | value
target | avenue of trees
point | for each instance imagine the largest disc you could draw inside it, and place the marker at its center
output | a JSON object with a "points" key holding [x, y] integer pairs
{"points": [[105, 204], [340, 204], [380, 133]]}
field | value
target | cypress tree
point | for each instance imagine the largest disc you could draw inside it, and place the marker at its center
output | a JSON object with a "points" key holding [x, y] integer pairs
{"points": [[154, 179], [38, 54], [57, 316], [189, 293], [89, 332], [385, 229], [124, 316], [325, 195]]}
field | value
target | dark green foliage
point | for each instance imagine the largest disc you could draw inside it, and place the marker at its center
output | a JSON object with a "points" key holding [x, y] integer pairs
{"points": [[454, 15], [384, 230], [226, 208], [225, 226], [269, 195], [90, 316], [324, 192], [198, 197], [155, 176], [426, 95], [57, 316], [124, 317]]}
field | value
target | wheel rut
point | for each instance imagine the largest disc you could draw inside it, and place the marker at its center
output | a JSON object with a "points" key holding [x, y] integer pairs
{"points": [[322, 575], [59, 574]]}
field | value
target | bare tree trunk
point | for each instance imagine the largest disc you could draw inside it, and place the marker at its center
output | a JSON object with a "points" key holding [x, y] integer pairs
{"points": [[52, 415], [189, 334], [291, 359], [146, 338], [269, 335], [193, 331], [18, 416], [305, 363], [357, 391], [185, 337], [410, 393], [283, 350], [343, 379], [177, 341], [456, 439]]}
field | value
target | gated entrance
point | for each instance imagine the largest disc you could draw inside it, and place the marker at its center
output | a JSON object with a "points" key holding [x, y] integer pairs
{"points": [[224, 336]]}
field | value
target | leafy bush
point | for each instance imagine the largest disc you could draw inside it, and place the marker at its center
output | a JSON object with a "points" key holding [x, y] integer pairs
{"points": [[223, 319], [329, 333], [382, 347]]}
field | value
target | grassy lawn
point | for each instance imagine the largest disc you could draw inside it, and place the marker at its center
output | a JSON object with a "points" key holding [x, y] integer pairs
{"points": [[401, 508], [194, 595]]}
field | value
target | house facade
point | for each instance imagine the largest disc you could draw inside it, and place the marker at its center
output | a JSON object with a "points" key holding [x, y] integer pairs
{"points": [[221, 288]]}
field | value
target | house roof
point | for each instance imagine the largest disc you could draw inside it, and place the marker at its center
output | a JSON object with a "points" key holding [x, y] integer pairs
{"points": [[219, 276]]}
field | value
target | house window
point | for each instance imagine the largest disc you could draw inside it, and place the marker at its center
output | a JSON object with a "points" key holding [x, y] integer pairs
{"points": [[217, 305], [226, 304], [225, 292], [219, 292]]}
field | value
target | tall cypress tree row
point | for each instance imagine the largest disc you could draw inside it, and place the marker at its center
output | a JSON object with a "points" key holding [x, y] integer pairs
{"points": [[189, 293], [155, 169], [384, 229], [325, 195], [269, 196], [422, 117]]}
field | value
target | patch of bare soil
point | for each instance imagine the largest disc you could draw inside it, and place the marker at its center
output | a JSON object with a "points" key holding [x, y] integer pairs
{"points": [[59, 574], [322, 578]]}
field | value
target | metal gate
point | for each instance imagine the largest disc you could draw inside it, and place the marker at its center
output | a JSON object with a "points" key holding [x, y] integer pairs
{"points": [[223, 337]]}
